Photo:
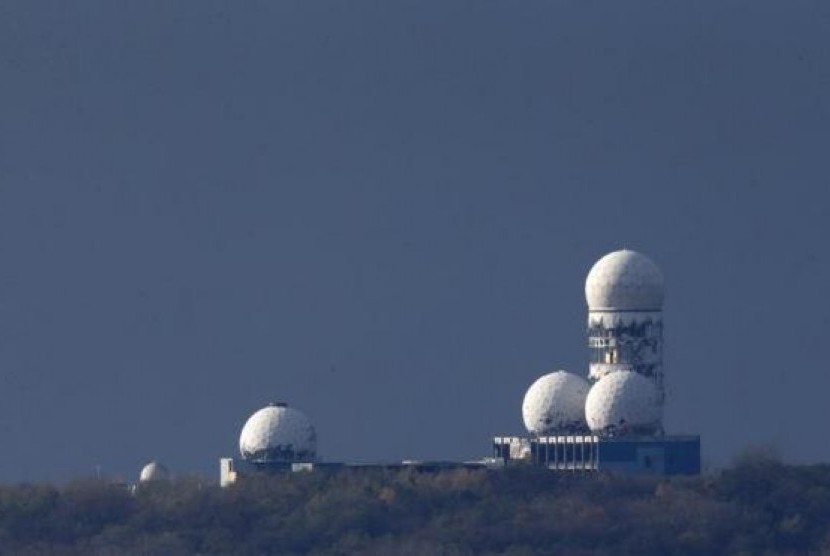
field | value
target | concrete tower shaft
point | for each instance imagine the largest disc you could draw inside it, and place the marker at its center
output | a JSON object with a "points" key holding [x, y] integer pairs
{"points": [[626, 341]]}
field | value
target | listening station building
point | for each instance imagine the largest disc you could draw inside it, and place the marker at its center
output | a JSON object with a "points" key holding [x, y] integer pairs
{"points": [[613, 419], [609, 420]]}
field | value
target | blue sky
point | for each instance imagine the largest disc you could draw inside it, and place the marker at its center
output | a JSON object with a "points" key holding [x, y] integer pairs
{"points": [[384, 212]]}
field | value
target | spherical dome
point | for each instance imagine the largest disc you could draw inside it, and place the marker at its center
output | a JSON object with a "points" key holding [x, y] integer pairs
{"points": [[278, 433], [624, 281], [154, 471], [624, 402], [555, 403]]}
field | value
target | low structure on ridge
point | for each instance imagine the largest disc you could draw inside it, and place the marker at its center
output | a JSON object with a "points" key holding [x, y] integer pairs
{"points": [[624, 406]]}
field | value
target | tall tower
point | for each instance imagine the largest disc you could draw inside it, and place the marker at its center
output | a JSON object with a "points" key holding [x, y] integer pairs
{"points": [[624, 290]]}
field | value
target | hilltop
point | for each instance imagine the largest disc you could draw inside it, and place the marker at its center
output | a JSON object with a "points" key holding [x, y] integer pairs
{"points": [[758, 506]]}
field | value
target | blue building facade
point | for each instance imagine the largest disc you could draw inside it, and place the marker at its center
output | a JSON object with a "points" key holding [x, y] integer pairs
{"points": [[647, 455]]}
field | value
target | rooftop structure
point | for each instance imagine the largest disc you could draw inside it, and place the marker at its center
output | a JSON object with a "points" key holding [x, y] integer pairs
{"points": [[609, 421], [623, 408], [278, 434], [622, 403], [624, 280], [555, 403]]}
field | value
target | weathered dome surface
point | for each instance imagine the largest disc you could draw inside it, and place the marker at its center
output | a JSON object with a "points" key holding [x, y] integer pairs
{"points": [[624, 402], [624, 281], [154, 471], [555, 403], [278, 433]]}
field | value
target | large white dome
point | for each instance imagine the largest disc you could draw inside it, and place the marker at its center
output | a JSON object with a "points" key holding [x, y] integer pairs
{"points": [[555, 403], [624, 281], [278, 433], [624, 402], [153, 471]]}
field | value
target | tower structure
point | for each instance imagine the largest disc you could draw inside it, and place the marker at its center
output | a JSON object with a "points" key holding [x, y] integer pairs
{"points": [[624, 291], [624, 406]]}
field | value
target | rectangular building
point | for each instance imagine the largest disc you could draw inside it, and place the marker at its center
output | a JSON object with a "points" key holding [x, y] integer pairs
{"points": [[651, 455]]}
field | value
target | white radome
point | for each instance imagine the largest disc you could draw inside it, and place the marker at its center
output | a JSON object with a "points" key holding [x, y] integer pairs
{"points": [[624, 402], [555, 403], [153, 471], [624, 281], [278, 433]]}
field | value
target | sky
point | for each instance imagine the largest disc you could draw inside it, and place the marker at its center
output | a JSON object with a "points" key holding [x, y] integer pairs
{"points": [[383, 214]]}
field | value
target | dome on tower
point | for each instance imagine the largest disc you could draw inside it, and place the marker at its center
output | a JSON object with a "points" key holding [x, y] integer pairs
{"points": [[154, 471], [555, 403], [278, 433], [624, 281], [624, 402]]}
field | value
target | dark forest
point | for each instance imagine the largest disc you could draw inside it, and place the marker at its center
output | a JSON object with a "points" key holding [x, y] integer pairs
{"points": [[757, 506]]}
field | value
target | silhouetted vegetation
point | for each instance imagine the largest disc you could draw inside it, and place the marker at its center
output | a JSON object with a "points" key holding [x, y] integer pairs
{"points": [[758, 506]]}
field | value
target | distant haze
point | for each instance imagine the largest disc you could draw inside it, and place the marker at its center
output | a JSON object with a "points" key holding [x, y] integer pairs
{"points": [[383, 213]]}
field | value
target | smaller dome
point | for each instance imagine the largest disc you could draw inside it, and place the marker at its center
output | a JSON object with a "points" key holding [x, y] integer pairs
{"points": [[624, 402], [278, 433], [624, 281], [154, 471], [555, 403]]}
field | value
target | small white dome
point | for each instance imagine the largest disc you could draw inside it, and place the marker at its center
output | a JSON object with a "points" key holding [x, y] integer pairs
{"points": [[278, 433], [624, 281], [624, 402], [154, 471], [555, 403]]}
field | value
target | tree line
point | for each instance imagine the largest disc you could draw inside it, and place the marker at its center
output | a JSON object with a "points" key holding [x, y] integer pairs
{"points": [[757, 506]]}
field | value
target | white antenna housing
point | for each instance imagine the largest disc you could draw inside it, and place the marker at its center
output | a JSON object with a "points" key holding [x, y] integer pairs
{"points": [[624, 403], [278, 433], [555, 403]]}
